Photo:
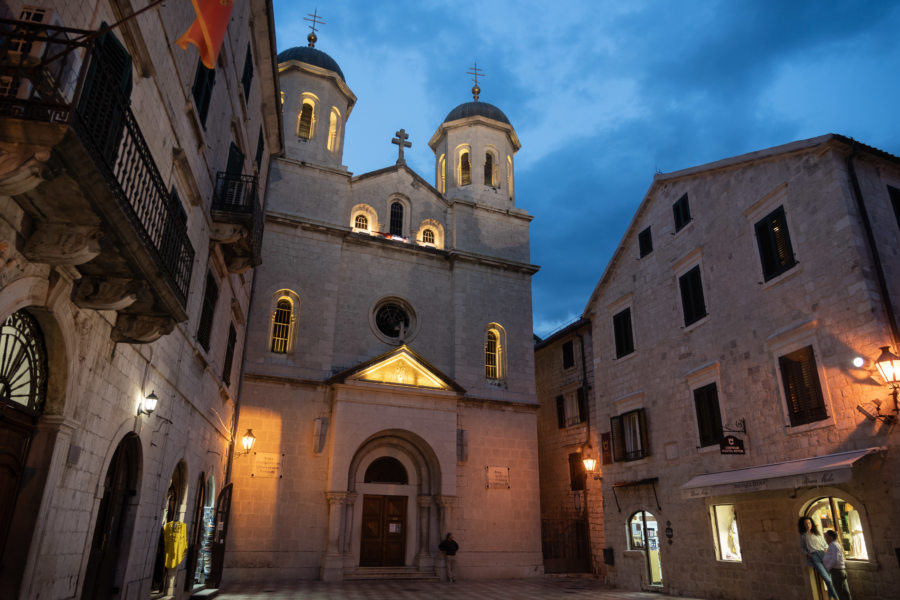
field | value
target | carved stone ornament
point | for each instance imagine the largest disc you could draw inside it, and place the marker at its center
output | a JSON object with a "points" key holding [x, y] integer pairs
{"points": [[139, 329], [13, 265], [21, 167], [63, 244], [225, 233], [114, 293]]}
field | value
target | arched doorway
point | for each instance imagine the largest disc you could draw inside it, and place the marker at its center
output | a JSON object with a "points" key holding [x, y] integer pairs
{"points": [[383, 532], [115, 521], [845, 518], [643, 535], [199, 555], [173, 508]]}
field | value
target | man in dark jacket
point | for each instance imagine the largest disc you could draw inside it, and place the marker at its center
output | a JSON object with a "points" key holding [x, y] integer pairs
{"points": [[449, 547]]}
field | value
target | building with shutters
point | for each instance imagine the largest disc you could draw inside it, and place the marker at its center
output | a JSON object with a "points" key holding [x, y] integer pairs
{"points": [[725, 331], [131, 181]]}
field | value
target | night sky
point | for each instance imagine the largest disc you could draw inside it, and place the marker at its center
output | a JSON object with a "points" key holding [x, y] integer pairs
{"points": [[605, 94]]}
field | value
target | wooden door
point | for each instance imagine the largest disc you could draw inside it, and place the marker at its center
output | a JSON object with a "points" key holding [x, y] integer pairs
{"points": [[15, 434], [217, 549], [383, 541]]}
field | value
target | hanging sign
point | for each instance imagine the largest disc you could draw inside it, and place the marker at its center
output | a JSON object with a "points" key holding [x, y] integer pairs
{"points": [[731, 445]]}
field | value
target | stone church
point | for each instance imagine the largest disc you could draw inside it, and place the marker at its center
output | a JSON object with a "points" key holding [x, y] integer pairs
{"points": [[389, 368]]}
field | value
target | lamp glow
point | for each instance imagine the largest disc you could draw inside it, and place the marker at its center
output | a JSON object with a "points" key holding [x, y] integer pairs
{"points": [[148, 404], [889, 366], [247, 441], [858, 362], [590, 464]]}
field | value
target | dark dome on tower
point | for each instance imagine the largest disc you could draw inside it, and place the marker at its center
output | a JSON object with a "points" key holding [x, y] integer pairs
{"points": [[311, 56], [473, 109]]}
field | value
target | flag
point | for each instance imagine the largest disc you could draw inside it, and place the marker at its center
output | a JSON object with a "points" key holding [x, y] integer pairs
{"points": [[207, 32]]}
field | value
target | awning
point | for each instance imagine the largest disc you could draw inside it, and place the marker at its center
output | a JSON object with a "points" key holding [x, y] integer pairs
{"points": [[806, 472]]}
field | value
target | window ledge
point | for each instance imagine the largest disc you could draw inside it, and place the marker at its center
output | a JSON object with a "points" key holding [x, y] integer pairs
{"points": [[695, 324], [708, 450], [732, 564], [775, 281], [628, 356], [862, 565], [687, 226], [826, 422]]}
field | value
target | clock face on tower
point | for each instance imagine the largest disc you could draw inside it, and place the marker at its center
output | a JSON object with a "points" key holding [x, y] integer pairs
{"points": [[23, 362]]}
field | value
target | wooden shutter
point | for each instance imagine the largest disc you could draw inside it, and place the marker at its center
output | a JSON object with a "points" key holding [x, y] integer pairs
{"points": [[618, 438], [709, 419], [560, 412], [802, 389], [644, 449], [692, 301], [582, 406]]}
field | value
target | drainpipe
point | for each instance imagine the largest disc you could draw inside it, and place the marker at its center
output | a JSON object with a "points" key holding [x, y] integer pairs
{"points": [[873, 248]]}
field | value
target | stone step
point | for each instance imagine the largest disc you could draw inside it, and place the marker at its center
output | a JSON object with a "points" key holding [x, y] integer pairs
{"points": [[205, 594], [389, 573]]}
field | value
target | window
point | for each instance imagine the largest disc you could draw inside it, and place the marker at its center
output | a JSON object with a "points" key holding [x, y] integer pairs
{"points": [[623, 333], [23, 363], [428, 236], [442, 174], [334, 129], [571, 408], [645, 243], [247, 76], [568, 355], [802, 389], [210, 296], [392, 320], [305, 120], [692, 296], [509, 175], [491, 350], [260, 148], [725, 532], [895, 202], [629, 436], [235, 165], [386, 469], [204, 81], [361, 222], [282, 322], [682, 212], [577, 474], [229, 354], [709, 419], [465, 168], [847, 524], [490, 170], [397, 219], [774, 242]]}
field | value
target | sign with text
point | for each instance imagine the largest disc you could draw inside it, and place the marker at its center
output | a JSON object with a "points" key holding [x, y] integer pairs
{"points": [[496, 478], [266, 465], [731, 445]]}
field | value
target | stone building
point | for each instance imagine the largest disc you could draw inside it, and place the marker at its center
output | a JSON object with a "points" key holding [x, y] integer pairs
{"points": [[572, 537], [725, 330], [130, 219], [388, 374]]}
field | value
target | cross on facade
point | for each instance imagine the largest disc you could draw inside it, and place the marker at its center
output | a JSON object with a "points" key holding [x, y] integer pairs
{"points": [[401, 142]]}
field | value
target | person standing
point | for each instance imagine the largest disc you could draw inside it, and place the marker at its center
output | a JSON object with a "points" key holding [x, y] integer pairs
{"points": [[813, 545], [449, 547], [837, 567]]}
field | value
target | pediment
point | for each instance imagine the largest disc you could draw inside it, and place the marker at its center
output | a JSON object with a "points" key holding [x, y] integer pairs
{"points": [[401, 366]]}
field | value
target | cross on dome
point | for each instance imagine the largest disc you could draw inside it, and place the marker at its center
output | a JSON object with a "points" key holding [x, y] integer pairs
{"points": [[476, 72], [315, 20]]}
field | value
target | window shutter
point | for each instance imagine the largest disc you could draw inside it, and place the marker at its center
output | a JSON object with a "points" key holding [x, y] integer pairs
{"points": [[644, 450], [801, 386], [582, 406], [560, 412], [618, 438], [692, 302], [709, 419]]}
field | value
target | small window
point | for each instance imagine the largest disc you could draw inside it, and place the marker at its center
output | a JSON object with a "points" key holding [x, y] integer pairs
{"points": [[623, 333], [208, 311], [844, 518], [629, 436], [204, 80], [682, 212], [577, 474], [361, 222], [281, 326], [229, 354], [334, 130], [709, 418], [491, 351], [397, 219], [260, 148], [692, 302], [725, 532], [802, 389], [465, 169], [645, 242], [489, 170], [895, 202], [571, 409], [428, 236], [774, 243], [442, 174], [247, 76], [392, 320], [568, 355], [305, 120], [509, 176]]}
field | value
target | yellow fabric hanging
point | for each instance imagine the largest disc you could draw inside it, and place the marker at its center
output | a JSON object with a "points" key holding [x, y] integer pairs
{"points": [[175, 534]]}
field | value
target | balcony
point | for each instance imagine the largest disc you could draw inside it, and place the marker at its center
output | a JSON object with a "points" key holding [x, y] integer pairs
{"points": [[238, 220], [74, 159]]}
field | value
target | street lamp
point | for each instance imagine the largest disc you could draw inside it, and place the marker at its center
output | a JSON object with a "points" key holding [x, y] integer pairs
{"points": [[889, 366], [148, 404], [247, 442]]}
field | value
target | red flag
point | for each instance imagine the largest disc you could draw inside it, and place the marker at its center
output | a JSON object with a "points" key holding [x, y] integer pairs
{"points": [[207, 32]]}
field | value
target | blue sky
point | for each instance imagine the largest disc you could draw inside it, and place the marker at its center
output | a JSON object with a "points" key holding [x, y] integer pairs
{"points": [[604, 94]]}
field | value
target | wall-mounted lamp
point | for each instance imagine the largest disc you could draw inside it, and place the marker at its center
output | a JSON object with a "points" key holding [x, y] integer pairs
{"points": [[590, 463], [148, 403], [889, 366], [247, 442]]}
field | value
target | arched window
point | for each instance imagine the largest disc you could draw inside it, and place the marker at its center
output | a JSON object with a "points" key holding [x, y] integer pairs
{"points": [[465, 168], [489, 170], [509, 176], [428, 236], [442, 174], [305, 120], [334, 130], [23, 363], [361, 222], [386, 470], [844, 518], [281, 325], [396, 219], [491, 354]]}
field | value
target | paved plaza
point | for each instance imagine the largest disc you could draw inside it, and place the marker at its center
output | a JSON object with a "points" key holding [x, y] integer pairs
{"points": [[549, 588]]}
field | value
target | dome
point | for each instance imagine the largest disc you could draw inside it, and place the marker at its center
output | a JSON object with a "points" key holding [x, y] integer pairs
{"points": [[311, 56], [472, 109]]}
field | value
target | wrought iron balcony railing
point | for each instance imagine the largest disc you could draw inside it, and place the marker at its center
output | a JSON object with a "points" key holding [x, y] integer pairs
{"points": [[236, 201], [75, 77]]}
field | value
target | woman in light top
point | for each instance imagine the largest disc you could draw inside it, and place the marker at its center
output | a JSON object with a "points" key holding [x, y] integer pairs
{"points": [[813, 545]]}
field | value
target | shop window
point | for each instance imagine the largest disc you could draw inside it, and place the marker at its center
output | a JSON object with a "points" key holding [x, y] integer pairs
{"points": [[208, 311], [682, 213], [577, 474], [894, 193], [643, 535], [692, 303], [397, 219], [709, 418], [774, 243], [204, 80], [568, 355], [844, 518], [623, 333], [571, 408], [725, 532], [629, 436], [645, 243], [802, 389]]}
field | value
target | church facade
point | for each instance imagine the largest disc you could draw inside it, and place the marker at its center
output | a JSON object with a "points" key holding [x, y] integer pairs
{"points": [[389, 369]]}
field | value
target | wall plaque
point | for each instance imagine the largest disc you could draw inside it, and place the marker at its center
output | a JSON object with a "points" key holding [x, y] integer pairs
{"points": [[266, 464], [496, 478]]}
